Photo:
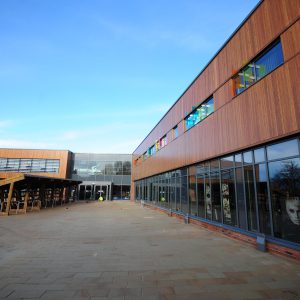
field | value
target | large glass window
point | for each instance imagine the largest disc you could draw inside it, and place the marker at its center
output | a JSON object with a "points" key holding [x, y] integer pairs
{"points": [[177, 192], [52, 165], [250, 197], [262, 198], [38, 165], [228, 197], [283, 149], [269, 60], [13, 164], [209, 106], [215, 196], [257, 190], [3, 162], [25, 165], [240, 194], [29, 165], [249, 75], [285, 193], [201, 196], [192, 191], [172, 191], [184, 194]]}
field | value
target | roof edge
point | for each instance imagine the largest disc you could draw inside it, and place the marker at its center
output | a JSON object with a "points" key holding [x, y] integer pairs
{"points": [[203, 69]]}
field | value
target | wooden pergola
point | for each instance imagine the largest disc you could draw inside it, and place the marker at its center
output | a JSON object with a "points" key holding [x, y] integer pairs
{"points": [[25, 192]]}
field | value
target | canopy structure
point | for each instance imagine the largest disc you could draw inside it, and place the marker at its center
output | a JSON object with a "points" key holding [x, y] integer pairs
{"points": [[25, 192]]}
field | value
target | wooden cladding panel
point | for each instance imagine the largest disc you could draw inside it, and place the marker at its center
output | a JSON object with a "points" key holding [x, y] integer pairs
{"points": [[268, 110], [224, 94], [62, 155], [291, 41], [270, 19]]}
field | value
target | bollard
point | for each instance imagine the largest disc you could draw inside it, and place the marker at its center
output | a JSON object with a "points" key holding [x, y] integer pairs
{"points": [[261, 242]]}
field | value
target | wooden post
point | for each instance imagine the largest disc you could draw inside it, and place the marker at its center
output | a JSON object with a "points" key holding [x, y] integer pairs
{"points": [[26, 200], [11, 188]]}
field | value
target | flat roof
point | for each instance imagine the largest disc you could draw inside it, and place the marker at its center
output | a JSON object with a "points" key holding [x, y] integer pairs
{"points": [[34, 180]]}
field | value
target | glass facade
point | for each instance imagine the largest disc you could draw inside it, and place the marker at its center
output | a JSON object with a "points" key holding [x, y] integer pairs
{"points": [[257, 190], [103, 171], [29, 165], [269, 60]]}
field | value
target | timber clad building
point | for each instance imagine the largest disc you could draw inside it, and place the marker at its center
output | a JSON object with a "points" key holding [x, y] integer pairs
{"points": [[226, 155], [31, 179]]}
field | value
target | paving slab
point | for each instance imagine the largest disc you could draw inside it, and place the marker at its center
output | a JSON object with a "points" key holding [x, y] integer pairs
{"points": [[120, 250]]}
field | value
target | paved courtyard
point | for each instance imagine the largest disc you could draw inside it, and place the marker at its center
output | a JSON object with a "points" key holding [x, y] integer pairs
{"points": [[119, 250]]}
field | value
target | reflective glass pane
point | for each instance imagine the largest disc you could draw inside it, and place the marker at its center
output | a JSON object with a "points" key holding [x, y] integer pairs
{"points": [[262, 198], [238, 160], [175, 132], [3, 162], [177, 192], [208, 204], [210, 106], [250, 197], [202, 112], [192, 170], [248, 157], [13, 164], [38, 165], [228, 197], [126, 168], [192, 119], [215, 196], [200, 195], [214, 165], [269, 61], [239, 83], [167, 192], [200, 169], [193, 195], [241, 198], [249, 75], [25, 165], [227, 162], [285, 194], [172, 193], [184, 194], [259, 155], [282, 150]]}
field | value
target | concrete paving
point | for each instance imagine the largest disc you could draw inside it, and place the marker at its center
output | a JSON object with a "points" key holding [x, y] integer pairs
{"points": [[119, 250]]}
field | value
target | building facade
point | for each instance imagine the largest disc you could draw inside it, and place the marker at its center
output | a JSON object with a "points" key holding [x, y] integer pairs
{"points": [[226, 154], [50, 163], [106, 175]]}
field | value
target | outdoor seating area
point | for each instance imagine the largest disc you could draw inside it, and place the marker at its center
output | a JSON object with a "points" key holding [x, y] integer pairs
{"points": [[24, 193]]}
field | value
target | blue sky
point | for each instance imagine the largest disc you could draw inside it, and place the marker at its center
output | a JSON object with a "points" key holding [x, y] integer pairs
{"points": [[97, 75]]}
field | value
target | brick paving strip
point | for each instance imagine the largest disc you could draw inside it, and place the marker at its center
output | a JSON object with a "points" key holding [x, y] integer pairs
{"points": [[119, 250]]}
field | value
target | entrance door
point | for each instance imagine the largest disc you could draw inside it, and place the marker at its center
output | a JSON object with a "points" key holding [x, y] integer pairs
{"points": [[94, 191], [89, 192], [97, 190], [82, 192]]}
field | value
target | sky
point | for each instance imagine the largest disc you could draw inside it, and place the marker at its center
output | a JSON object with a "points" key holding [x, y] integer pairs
{"points": [[97, 75]]}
